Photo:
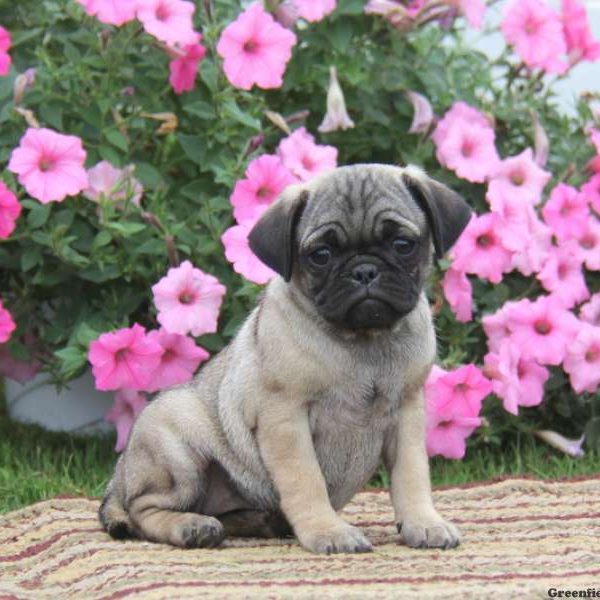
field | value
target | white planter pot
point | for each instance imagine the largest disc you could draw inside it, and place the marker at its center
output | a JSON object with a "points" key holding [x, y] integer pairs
{"points": [[77, 408]]}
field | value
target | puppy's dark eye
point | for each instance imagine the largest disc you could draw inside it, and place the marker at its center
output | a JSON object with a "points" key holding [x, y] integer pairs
{"points": [[404, 246], [320, 256]]}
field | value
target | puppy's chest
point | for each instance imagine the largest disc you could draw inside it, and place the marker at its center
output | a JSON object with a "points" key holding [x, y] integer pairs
{"points": [[349, 423], [366, 401]]}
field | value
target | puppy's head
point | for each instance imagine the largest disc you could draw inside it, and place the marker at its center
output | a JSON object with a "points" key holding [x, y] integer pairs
{"points": [[357, 241]]}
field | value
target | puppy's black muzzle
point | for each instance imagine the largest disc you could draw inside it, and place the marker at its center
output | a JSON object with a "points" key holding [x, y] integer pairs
{"points": [[365, 274]]}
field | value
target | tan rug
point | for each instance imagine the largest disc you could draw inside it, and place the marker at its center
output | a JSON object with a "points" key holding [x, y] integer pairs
{"points": [[522, 537]]}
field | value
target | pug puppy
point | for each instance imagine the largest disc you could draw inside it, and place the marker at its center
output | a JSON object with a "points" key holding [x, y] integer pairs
{"points": [[322, 384]]}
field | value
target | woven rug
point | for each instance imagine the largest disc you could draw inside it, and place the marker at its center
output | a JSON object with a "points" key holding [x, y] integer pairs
{"points": [[521, 538]]}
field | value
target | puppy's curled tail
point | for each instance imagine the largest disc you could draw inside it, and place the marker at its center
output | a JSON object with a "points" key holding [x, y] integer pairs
{"points": [[114, 519]]}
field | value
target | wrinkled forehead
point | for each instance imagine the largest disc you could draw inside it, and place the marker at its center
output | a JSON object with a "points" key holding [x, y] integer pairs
{"points": [[356, 205]]}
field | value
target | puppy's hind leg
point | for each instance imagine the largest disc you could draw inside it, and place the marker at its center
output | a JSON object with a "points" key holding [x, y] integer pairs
{"points": [[165, 488], [112, 514]]}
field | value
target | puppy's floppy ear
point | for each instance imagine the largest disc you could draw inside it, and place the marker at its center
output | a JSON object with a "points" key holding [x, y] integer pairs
{"points": [[272, 238], [447, 213]]}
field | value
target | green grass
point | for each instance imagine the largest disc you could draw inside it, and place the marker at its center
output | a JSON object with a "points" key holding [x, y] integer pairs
{"points": [[36, 464]]}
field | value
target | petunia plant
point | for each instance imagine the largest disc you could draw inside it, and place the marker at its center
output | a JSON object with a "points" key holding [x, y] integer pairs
{"points": [[142, 139]]}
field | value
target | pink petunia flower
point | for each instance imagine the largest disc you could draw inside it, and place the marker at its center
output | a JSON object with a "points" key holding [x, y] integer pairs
{"points": [[125, 358], [179, 360], [538, 243], [518, 178], [581, 44], [536, 32], [473, 10], [458, 114], [462, 389], [128, 404], [590, 312], [183, 70], [112, 12], [10, 209], [169, 21], [582, 361], [465, 143], [566, 212], [469, 151], [255, 49], [303, 157], [452, 412], [49, 165], [5, 59], [245, 262], [542, 329], [479, 250], [591, 192], [188, 300], [563, 276], [315, 10], [108, 183], [7, 325], [266, 178], [459, 294], [514, 225], [587, 246], [497, 326], [517, 381]]}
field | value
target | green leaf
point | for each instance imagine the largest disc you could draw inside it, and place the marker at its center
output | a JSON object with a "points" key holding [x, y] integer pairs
{"points": [[148, 175], [30, 258], [151, 247], [209, 74], [194, 147], [350, 7], [102, 239], [202, 110], [72, 359], [117, 139], [39, 237], [73, 257], [233, 111], [84, 334], [52, 114], [107, 153], [64, 217], [100, 273], [71, 53], [126, 228], [38, 215], [20, 37]]}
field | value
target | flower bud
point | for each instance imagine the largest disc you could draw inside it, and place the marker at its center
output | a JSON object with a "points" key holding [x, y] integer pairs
{"points": [[423, 116], [22, 83], [287, 14], [570, 447], [337, 116], [541, 144]]}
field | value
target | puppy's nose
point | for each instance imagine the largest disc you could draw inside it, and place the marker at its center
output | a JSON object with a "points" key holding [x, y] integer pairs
{"points": [[365, 274]]}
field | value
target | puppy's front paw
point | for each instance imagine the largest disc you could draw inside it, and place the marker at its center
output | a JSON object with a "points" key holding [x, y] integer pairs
{"points": [[344, 538], [199, 531], [429, 533]]}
